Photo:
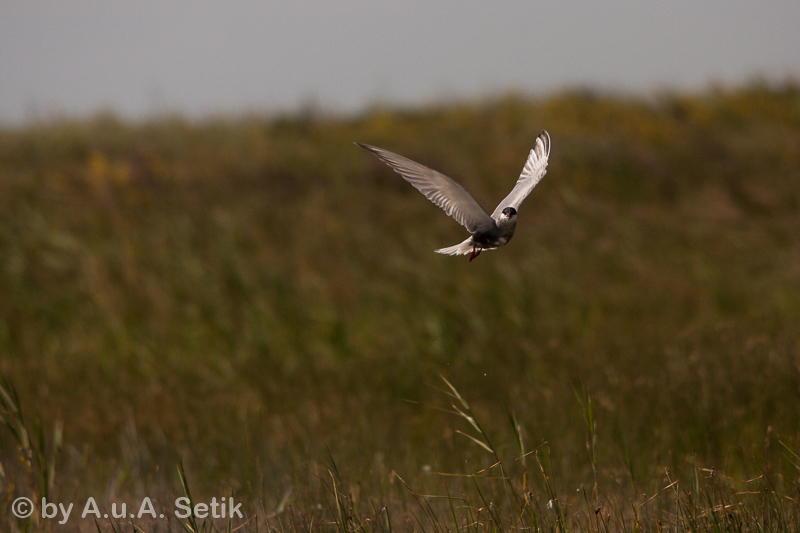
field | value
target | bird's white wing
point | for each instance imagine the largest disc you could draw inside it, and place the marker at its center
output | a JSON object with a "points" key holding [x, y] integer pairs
{"points": [[439, 189], [534, 170]]}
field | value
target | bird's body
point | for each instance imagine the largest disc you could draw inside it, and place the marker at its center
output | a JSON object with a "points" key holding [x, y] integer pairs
{"points": [[487, 232], [488, 239]]}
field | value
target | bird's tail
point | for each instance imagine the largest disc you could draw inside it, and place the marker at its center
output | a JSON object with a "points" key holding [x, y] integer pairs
{"points": [[463, 248]]}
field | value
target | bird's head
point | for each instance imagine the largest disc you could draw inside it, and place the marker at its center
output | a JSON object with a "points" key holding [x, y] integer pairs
{"points": [[509, 213]]}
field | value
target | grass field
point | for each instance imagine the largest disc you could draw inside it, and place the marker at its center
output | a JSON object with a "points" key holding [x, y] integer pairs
{"points": [[258, 300]]}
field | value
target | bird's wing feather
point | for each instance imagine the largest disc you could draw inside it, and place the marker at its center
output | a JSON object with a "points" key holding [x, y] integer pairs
{"points": [[534, 170], [454, 199]]}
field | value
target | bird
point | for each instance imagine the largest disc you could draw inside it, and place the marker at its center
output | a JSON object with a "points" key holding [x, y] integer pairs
{"points": [[487, 232]]}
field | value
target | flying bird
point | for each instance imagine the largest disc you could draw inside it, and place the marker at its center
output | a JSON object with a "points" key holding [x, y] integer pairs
{"points": [[487, 232]]}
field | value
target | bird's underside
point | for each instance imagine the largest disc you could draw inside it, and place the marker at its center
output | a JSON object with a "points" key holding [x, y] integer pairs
{"points": [[464, 248]]}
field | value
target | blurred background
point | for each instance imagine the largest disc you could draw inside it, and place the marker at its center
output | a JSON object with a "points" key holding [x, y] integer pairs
{"points": [[145, 59], [197, 265]]}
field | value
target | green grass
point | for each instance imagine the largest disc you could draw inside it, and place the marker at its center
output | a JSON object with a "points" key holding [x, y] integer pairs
{"points": [[258, 300]]}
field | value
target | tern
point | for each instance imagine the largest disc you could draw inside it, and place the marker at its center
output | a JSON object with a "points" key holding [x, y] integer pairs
{"points": [[486, 232]]}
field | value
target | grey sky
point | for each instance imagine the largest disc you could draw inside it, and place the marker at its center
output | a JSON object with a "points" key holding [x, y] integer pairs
{"points": [[201, 57]]}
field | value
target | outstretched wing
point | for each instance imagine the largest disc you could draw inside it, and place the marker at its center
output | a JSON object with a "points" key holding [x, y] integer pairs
{"points": [[534, 170], [439, 189]]}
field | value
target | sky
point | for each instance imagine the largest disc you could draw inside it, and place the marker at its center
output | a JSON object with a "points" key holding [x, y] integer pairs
{"points": [[201, 58]]}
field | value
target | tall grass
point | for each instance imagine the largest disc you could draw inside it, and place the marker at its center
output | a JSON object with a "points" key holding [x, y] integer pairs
{"points": [[259, 300]]}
